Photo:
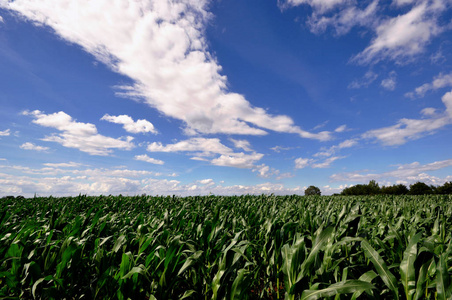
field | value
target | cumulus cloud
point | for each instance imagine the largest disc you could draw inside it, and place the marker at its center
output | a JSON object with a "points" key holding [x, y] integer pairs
{"points": [[31, 146], [301, 163], [5, 132], [71, 182], [237, 160], [140, 126], [390, 82], [440, 81], [161, 46], [408, 173], [81, 136], [209, 147], [148, 159]]}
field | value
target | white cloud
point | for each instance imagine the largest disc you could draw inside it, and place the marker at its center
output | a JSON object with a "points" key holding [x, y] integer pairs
{"points": [[205, 147], [368, 78], [69, 182], [70, 164], [404, 36], [408, 173], [333, 149], [390, 82], [1, 20], [344, 20], [411, 129], [140, 126], [341, 128], [398, 38], [31, 146], [5, 132], [403, 2], [327, 162], [278, 149], [161, 46], [440, 81], [81, 136], [208, 181], [265, 171], [237, 160], [428, 111], [241, 144], [319, 5], [148, 159], [301, 163]]}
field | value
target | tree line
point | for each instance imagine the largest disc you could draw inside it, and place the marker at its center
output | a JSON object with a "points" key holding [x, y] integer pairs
{"points": [[418, 188]]}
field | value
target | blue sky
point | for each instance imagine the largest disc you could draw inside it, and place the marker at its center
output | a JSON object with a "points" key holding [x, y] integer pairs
{"points": [[225, 97]]}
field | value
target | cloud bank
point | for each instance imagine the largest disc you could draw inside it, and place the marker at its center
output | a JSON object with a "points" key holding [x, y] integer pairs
{"points": [[81, 136], [161, 46]]}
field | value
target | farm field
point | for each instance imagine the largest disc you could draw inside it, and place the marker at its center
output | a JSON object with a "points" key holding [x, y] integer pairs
{"points": [[214, 247]]}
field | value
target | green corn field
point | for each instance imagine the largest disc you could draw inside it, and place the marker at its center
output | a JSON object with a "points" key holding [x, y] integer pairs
{"points": [[214, 247]]}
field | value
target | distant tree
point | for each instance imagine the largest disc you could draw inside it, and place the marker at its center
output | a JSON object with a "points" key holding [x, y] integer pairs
{"points": [[420, 188], [398, 189], [445, 189], [371, 188], [312, 190]]}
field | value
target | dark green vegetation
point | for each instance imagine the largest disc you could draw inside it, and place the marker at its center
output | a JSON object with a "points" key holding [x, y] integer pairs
{"points": [[418, 188], [248, 247], [312, 191]]}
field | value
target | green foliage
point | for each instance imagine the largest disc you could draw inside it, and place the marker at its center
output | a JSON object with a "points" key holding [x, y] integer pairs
{"points": [[312, 191], [420, 188], [213, 247]]}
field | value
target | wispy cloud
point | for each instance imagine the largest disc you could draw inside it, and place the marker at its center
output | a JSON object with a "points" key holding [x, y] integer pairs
{"points": [[408, 173], [162, 47], [368, 78], [6, 132], [333, 149], [440, 81], [140, 126], [400, 38], [242, 144], [70, 164], [81, 136], [148, 159], [204, 148], [327, 162], [278, 149], [31, 146], [390, 82], [411, 129]]}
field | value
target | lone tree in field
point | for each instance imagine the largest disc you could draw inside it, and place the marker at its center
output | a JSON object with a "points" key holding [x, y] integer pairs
{"points": [[312, 190]]}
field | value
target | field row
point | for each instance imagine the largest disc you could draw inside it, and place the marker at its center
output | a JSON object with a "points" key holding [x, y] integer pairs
{"points": [[212, 247]]}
